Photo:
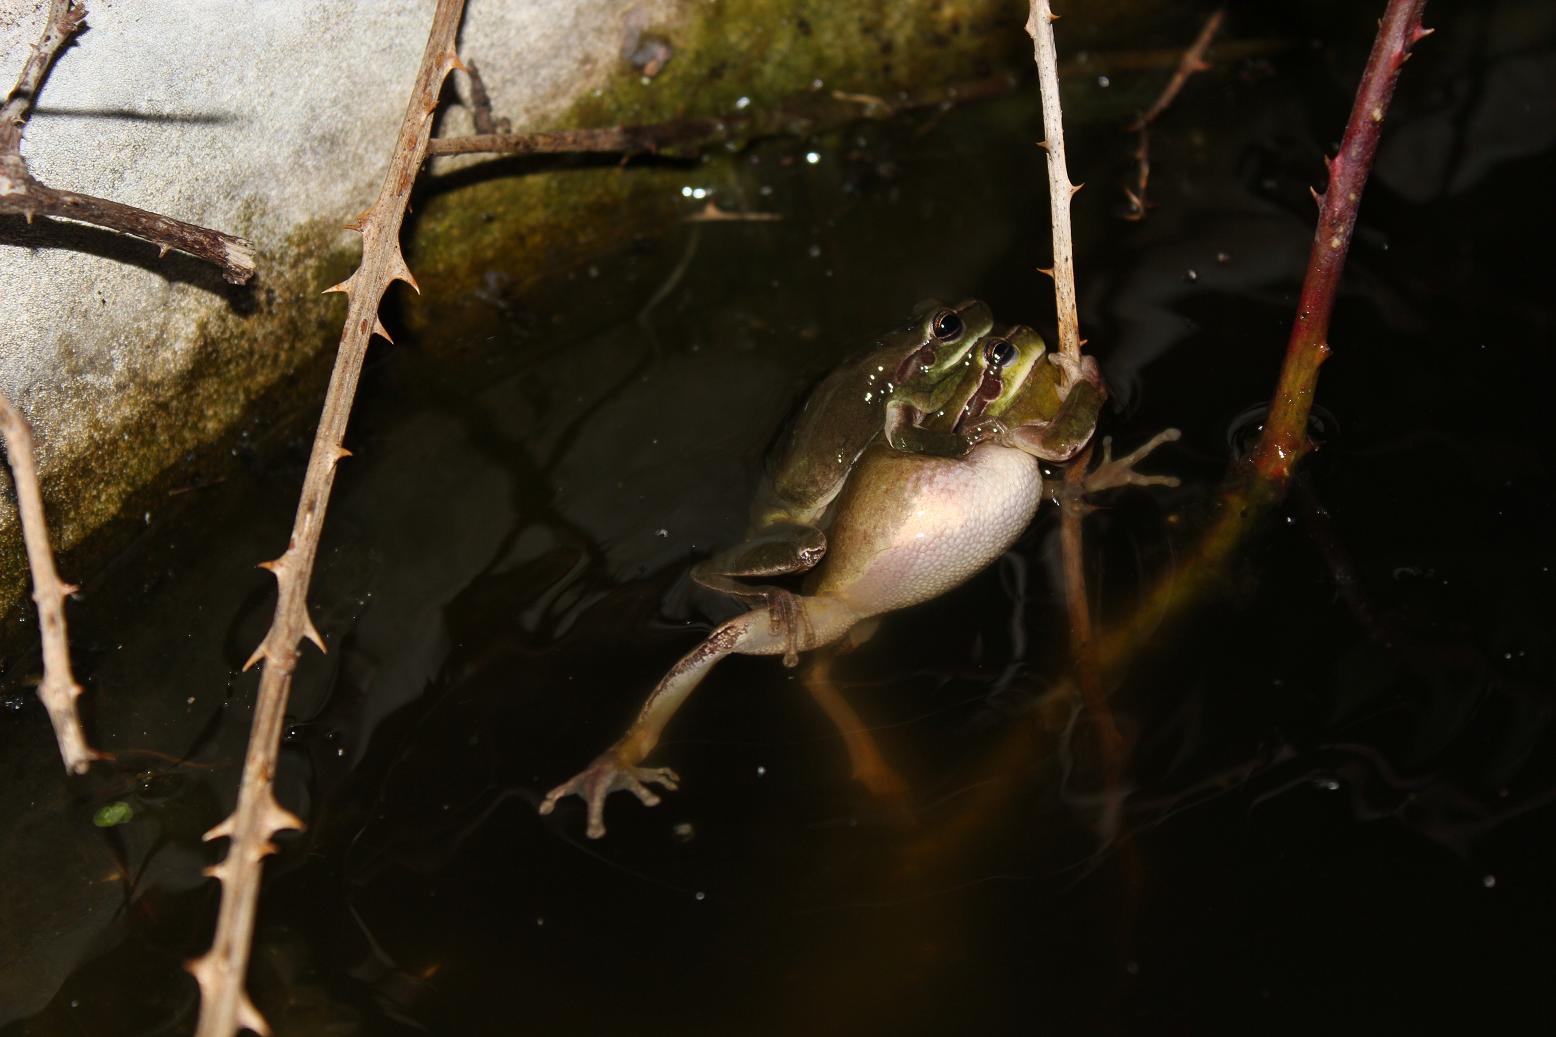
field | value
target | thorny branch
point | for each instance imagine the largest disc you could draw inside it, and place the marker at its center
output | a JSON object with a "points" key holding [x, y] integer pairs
{"points": [[1285, 432], [224, 1006], [23, 195], [58, 689], [1060, 190]]}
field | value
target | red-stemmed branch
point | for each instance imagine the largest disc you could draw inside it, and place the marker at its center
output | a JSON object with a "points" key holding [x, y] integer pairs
{"points": [[1285, 431]]}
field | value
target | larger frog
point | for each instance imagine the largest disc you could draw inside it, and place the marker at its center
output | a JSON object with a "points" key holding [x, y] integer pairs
{"points": [[884, 394], [907, 528]]}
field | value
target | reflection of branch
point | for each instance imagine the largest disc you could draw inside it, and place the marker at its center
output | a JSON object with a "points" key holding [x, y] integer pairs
{"points": [[224, 1007], [1138, 196], [58, 689], [1193, 61], [1285, 433], [22, 195]]}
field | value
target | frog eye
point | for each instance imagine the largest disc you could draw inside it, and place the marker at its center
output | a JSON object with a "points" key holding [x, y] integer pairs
{"points": [[999, 352], [947, 325]]}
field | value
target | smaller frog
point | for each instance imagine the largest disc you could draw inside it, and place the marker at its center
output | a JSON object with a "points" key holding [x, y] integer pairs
{"points": [[907, 528], [882, 394]]}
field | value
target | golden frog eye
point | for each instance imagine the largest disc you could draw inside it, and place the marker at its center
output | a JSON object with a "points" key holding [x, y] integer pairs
{"points": [[947, 325]]}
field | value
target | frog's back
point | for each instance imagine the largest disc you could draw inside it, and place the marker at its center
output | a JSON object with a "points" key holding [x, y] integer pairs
{"points": [[839, 419]]}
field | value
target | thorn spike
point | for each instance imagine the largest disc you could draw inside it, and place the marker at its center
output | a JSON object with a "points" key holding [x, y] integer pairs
{"points": [[259, 653], [311, 632], [378, 329], [221, 830], [281, 819], [249, 1017]]}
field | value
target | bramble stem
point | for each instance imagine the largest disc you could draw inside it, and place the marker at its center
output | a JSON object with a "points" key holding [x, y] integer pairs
{"points": [[1285, 431], [224, 1006]]}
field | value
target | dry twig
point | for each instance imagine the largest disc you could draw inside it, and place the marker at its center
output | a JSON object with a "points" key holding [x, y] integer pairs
{"points": [[224, 1006], [58, 689], [23, 195], [798, 114], [1060, 190]]}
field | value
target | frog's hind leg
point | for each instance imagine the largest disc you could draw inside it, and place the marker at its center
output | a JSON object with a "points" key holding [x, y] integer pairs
{"points": [[825, 619], [781, 550]]}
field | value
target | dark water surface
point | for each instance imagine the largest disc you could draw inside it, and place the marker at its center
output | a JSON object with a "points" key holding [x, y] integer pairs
{"points": [[1337, 812]]}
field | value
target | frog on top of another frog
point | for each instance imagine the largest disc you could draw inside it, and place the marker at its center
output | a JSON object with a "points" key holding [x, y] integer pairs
{"points": [[906, 528], [883, 394]]}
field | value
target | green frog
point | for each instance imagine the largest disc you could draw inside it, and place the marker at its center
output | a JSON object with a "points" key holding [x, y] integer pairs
{"points": [[882, 395], [906, 528]]}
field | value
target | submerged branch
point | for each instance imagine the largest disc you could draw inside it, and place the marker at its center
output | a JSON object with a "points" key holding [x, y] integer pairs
{"points": [[224, 1006], [1193, 61], [58, 690], [21, 194]]}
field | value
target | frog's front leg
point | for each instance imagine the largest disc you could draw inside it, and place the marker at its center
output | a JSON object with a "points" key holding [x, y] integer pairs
{"points": [[782, 549], [904, 434], [1057, 440], [825, 620]]}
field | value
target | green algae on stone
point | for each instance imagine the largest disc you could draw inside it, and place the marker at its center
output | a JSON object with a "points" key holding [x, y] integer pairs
{"points": [[184, 402]]}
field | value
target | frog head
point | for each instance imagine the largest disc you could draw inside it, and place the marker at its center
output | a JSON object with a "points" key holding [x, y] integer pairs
{"points": [[1014, 387], [938, 342]]}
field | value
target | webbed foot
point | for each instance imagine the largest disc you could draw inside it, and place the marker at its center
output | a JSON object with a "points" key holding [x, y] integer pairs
{"points": [[602, 777], [1112, 473]]}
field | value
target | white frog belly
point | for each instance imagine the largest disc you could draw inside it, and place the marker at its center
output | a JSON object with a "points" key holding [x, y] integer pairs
{"points": [[910, 528]]}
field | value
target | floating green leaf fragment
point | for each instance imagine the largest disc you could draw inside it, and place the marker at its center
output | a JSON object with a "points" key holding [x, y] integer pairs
{"points": [[110, 814]]}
